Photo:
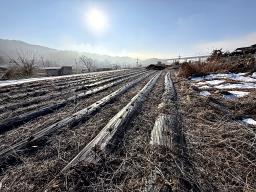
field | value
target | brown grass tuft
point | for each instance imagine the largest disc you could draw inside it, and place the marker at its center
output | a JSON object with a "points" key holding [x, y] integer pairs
{"points": [[218, 63], [200, 69]]}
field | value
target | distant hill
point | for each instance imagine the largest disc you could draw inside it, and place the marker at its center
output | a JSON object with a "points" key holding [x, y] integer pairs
{"points": [[11, 48]]}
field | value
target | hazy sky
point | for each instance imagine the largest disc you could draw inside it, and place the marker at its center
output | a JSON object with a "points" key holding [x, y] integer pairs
{"points": [[143, 28]]}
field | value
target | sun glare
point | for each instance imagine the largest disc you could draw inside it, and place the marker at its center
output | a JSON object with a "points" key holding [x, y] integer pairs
{"points": [[96, 20]]}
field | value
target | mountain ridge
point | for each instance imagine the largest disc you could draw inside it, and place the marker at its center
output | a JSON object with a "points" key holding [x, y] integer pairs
{"points": [[12, 48]]}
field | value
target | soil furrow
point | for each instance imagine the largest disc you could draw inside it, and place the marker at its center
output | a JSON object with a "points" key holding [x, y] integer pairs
{"points": [[22, 94], [124, 168], [43, 164], [13, 122], [15, 109]]}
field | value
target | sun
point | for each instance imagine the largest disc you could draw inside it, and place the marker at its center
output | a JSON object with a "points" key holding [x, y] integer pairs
{"points": [[96, 20]]}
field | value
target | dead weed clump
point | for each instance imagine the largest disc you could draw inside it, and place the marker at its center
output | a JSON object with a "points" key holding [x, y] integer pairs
{"points": [[218, 62], [18, 72], [21, 67]]}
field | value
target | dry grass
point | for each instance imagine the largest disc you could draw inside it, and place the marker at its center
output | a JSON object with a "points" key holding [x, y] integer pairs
{"points": [[200, 69], [221, 147], [127, 168], [38, 168], [218, 63], [18, 72], [131, 166]]}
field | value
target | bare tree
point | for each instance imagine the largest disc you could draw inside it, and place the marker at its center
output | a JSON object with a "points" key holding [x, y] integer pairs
{"points": [[22, 66], [26, 64], [87, 62], [116, 66]]}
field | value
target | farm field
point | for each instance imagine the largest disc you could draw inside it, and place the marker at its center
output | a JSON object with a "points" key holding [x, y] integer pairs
{"points": [[129, 130], [127, 96]]}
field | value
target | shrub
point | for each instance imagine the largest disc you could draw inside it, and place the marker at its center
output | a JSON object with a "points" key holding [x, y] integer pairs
{"points": [[20, 68]]}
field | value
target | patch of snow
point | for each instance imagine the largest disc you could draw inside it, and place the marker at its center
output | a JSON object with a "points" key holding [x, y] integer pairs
{"points": [[239, 93], [229, 96], [218, 76], [254, 75], [201, 83], [235, 94], [197, 78], [237, 86], [244, 79], [249, 121], [242, 73], [232, 76], [215, 82], [204, 87], [205, 93], [212, 82], [213, 76]]}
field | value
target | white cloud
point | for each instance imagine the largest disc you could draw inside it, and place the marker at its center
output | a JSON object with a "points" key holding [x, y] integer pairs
{"points": [[228, 44]]}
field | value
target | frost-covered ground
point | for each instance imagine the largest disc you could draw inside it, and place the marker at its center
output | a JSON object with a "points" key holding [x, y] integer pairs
{"points": [[21, 81], [230, 86], [226, 81]]}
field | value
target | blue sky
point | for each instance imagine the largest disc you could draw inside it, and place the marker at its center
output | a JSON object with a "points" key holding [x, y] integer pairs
{"points": [[143, 28]]}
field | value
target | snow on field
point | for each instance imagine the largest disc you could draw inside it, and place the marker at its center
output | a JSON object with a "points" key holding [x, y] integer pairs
{"points": [[21, 81], [205, 87], [205, 93], [212, 82], [239, 93], [241, 81], [237, 86], [229, 96], [222, 81], [235, 94], [231, 76], [249, 121]]}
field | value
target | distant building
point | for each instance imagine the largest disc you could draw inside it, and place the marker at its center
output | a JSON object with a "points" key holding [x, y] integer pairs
{"points": [[58, 71], [66, 70], [52, 71]]}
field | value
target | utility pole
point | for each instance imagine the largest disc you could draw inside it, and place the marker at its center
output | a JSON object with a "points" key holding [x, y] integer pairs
{"points": [[137, 62], [76, 65]]}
